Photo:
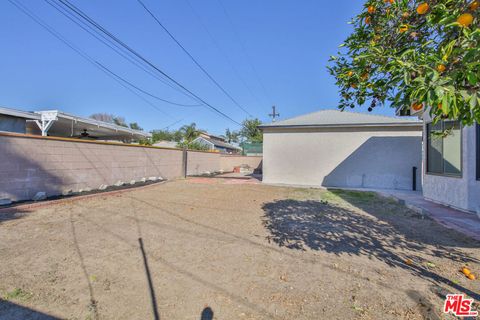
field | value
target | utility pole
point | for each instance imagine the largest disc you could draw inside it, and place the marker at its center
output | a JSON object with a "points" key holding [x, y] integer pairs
{"points": [[274, 114]]}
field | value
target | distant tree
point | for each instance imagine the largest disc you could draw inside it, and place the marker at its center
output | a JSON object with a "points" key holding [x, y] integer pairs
{"points": [[231, 136], [135, 126], [166, 135], [192, 145], [250, 131], [109, 118], [105, 117], [190, 132], [120, 121], [145, 142]]}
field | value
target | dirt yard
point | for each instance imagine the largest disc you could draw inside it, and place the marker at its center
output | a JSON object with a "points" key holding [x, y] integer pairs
{"points": [[230, 249]]}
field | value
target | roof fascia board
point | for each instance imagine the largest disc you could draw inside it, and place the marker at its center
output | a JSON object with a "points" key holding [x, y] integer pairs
{"points": [[308, 126]]}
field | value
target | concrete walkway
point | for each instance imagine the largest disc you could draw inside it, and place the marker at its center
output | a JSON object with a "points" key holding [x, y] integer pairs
{"points": [[466, 223]]}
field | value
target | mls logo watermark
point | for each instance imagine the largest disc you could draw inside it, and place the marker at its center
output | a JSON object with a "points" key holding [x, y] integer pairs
{"points": [[459, 306]]}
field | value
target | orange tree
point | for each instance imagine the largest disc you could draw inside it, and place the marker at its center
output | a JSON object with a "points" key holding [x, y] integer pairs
{"points": [[406, 53]]}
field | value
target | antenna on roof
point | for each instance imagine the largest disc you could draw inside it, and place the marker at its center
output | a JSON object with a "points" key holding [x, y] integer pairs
{"points": [[274, 114]]}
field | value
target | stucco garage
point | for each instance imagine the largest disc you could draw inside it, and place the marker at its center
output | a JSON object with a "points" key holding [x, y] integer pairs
{"points": [[331, 148]]}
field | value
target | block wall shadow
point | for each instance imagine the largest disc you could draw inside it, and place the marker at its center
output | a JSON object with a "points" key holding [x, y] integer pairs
{"points": [[22, 175]]}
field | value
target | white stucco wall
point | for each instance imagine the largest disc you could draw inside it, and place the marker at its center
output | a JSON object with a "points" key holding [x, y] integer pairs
{"points": [[462, 192], [380, 157]]}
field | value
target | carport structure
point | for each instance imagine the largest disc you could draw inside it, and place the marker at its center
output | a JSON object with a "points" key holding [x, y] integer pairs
{"points": [[60, 124]]}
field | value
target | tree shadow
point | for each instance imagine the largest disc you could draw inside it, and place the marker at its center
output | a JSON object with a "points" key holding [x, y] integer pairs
{"points": [[374, 231], [365, 167], [22, 175], [12, 311], [207, 314]]}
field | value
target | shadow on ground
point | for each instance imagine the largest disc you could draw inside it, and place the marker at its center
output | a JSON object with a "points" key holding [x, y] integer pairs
{"points": [[369, 226], [13, 311]]}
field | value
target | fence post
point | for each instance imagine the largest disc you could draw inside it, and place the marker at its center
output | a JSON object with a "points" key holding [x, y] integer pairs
{"points": [[184, 162]]}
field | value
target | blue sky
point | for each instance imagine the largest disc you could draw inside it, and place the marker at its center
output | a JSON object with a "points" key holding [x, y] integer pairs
{"points": [[287, 42]]}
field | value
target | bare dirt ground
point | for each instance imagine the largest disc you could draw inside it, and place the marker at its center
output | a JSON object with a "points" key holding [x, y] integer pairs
{"points": [[223, 249]]}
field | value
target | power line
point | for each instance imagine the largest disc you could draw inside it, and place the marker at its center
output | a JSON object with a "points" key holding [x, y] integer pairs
{"points": [[192, 58], [105, 31], [143, 91], [115, 47], [249, 59], [79, 51], [217, 45]]}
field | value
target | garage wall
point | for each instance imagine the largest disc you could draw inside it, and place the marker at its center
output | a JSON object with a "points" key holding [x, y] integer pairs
{"points": [[379, 157]]}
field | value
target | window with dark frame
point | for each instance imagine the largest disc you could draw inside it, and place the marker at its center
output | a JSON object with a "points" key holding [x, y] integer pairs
{"points": [[444, 148], [478, 151]]}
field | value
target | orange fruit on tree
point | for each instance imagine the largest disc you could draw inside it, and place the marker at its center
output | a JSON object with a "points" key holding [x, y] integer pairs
{"points": [[350, 73], [474, 5], [403, 28], [371, 9], [353, 85], [417, 106], [465, 19], [368, 20], [423, 8], [471, 276], [441, 68]]}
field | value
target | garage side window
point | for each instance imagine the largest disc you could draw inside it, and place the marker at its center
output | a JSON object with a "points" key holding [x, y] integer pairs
{"points": [[444, 148]]}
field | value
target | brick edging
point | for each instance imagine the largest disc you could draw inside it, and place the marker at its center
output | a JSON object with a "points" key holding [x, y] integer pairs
{"points": [[46, 203]]}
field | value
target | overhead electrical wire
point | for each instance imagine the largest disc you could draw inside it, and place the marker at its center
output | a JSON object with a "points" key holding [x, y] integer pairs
{"points": [[192, 58], [84, 16], [143, 91], [227, 58], [117, 49], [248, 58], [83, 54]]}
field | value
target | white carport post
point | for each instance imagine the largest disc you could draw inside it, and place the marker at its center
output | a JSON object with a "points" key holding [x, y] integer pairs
{"points": [[48, 117]]}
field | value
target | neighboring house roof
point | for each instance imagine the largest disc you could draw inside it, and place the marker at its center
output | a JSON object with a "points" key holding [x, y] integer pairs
{"points": [[218, 143], [19, 113], [337, 118]]}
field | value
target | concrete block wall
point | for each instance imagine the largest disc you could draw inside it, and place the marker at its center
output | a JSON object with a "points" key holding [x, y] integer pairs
{"points": [[228, 162], [31, 164], [200, 162]]}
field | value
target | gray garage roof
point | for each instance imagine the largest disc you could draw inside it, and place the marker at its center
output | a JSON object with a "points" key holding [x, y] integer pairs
{"points": [[337, 118]]}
